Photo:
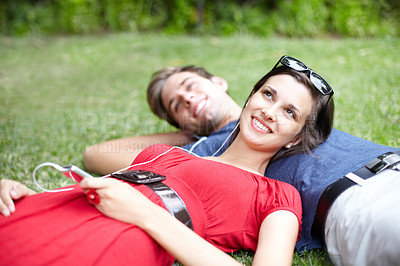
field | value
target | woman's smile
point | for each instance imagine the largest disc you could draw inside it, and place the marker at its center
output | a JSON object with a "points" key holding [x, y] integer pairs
{"points": [[260, 125]]}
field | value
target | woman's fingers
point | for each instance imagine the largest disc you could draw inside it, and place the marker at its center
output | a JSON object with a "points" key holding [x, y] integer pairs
{"points": [[90, 187], [95, 183], [97, 189], [11, 190], [116, 199], [93, 197]]}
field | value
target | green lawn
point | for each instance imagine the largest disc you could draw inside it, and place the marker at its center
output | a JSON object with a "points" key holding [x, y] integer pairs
{"points": [[61, 94]]}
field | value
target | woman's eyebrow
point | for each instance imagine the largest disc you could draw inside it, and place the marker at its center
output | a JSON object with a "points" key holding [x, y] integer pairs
{"points": [[291, 105], [274, 92]]}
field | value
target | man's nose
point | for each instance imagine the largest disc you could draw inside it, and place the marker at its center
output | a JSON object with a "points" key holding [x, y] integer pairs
{"points": [[186, 98]]}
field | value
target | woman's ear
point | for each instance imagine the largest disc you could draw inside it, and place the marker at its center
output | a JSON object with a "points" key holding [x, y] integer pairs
{"points": [[294, 142], [222, 83]]}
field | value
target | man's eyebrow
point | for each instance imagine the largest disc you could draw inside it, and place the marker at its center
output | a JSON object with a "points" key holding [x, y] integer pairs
{"points": [[169, 105], [183, 81], [172, 99]]}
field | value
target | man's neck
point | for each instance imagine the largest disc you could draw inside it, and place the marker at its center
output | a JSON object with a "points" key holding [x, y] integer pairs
{"points": [[233, 115]]}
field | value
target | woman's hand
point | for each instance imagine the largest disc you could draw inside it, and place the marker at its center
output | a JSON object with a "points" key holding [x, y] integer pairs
{"points": [[118, 200], [10, 191]]}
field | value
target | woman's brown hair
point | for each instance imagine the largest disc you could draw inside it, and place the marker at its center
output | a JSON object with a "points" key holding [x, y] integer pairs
{"points": [[319, 122]]}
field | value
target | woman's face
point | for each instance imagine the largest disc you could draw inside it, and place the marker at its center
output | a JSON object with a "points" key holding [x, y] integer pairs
{"points": [[275, 114]]}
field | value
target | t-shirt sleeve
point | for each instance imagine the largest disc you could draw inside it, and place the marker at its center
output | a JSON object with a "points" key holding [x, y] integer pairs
{"points": [[286, 198]]}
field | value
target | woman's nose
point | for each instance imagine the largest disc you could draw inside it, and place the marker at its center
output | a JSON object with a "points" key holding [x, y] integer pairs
{"points": [[270, 113]]}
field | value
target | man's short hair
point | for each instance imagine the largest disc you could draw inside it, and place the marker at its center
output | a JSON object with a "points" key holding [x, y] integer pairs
{"points": [[157, 83]]}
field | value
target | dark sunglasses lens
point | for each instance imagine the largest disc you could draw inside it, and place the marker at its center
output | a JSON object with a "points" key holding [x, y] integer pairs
{"points": [[294, 63], [320, 83]]}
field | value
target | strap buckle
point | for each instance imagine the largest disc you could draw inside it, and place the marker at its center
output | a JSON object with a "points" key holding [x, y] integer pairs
{"points": [[385, 161], [139, 177]]}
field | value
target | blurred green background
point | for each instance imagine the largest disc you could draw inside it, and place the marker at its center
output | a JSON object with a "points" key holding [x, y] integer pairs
{"points": [[60, 94], [222, 17]]}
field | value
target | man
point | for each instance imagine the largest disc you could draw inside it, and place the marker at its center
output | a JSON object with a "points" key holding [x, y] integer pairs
{"points": [[187, 97]]}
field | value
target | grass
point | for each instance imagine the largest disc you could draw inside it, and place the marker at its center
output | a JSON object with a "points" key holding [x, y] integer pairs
{"points": [[60, 94]]}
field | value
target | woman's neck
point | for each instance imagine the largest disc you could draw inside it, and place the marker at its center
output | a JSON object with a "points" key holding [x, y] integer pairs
{"points": [[240, 155]]}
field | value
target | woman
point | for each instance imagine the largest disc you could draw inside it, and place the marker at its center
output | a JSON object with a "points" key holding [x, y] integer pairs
{"points": [[229, 202]]}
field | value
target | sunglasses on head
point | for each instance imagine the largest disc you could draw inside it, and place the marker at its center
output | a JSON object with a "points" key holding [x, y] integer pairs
{"points": [[319, 82]]}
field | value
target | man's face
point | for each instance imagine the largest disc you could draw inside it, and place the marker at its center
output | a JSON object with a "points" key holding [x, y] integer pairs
{"points": [[195, 102]]}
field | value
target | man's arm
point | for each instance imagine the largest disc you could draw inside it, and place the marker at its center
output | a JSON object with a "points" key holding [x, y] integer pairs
{"points": [[112, 155]]}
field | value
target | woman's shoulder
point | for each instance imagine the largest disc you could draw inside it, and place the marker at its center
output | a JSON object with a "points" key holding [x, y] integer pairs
{"points": [[160, 150], [157, 148], [151, 152]]}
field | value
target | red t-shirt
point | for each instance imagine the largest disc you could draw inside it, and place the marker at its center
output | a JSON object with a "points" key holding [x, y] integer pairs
{"points": [[227, 206]]}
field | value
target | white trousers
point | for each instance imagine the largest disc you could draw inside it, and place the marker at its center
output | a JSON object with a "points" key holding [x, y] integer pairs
{"points": [[363, 224]]}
